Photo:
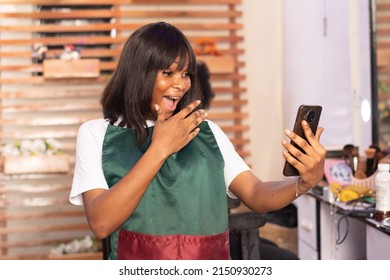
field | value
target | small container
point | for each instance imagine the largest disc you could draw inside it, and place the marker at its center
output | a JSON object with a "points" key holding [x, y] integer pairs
{"points": [[328, 195], [382, 192]]}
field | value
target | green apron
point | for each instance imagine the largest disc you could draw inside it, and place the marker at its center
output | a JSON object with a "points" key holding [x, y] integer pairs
{"points": [[183, 213]]}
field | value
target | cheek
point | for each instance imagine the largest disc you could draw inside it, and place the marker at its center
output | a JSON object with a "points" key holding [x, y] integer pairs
{"points": [[161, 85], [187, 85]]}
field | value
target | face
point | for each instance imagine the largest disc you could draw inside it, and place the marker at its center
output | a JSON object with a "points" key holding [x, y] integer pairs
{"points": [[171, 85]]}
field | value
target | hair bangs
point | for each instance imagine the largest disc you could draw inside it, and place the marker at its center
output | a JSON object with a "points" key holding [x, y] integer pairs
{"points": [[171, 44]]}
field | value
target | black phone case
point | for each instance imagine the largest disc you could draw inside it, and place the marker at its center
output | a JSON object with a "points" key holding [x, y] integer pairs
{"points": [[304, 113]]}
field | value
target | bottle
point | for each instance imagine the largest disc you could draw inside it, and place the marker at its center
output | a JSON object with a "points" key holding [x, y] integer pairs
{"points": [[382, 192]]}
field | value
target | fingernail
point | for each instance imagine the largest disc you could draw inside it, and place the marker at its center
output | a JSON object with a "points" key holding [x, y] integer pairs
{"points": [[287, 131]]}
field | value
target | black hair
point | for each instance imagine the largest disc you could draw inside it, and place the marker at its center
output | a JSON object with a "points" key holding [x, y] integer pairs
{"points": [[129, 92], [203, 77]]}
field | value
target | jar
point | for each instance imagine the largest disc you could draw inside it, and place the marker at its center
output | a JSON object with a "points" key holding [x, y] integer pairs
{"points": [[382, 192]]}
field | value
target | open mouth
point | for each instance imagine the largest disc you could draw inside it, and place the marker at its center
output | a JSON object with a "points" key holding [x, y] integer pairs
{"points": [[171, 102]]}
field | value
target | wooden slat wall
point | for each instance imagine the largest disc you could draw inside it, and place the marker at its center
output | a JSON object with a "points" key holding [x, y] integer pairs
{"points": [[34, 209], [382, 23]]}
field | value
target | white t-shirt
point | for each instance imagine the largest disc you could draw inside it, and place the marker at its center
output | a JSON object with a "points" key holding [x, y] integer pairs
{"points": [[88, 173]]}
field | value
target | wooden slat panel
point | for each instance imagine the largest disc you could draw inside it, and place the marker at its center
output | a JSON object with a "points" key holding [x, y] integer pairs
{"points": [[98, 14], [35, 107], [234, 128], [41, 176], [116, 2], [52, 93], [382, 19], [79, 120], [36, 256], [91, 93], [82, 40], [32, 189], [107, 2], [101, 80], [37, 134], [40, 215], [228, 103], [107, 27], [39, 80], [35, 201], [49, 121], [73, 133], [104, 66], [97, 40], [243, 153], [382, 6], [228, 116], [229, 90], [240, 141], [33, 243], [43, 228], [382, 23], [49, 107]]}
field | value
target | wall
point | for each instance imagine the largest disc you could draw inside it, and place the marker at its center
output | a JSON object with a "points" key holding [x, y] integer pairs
{"points": [[265, 63], [327, 62], [263, 56]]}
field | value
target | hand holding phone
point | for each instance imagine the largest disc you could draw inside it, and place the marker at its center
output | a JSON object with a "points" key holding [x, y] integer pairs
{"points": [[310, 113]]}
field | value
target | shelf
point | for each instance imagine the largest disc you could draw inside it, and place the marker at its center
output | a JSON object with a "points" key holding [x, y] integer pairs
{"points": [[218, 64], [36, 164], [62, 69], [80, 256]]}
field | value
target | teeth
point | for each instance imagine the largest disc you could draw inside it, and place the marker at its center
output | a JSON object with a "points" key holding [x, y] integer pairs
{"points": [[173, 97]]}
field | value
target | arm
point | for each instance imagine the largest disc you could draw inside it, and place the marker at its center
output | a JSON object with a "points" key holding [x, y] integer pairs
{"points": [[268, 196], [106, 210]]}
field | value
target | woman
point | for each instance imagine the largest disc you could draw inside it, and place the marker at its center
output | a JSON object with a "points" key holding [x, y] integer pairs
{"points": [[154, 173]]}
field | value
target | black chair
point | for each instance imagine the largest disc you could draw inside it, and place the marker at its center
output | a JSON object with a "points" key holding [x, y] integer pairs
{"points": [[106, 247], [244, 228]]}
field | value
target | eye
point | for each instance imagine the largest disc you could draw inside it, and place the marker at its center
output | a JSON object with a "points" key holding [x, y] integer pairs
{"points": [[167, 73]]}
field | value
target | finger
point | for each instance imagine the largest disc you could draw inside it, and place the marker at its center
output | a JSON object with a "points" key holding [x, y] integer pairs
{"points": [[293, 161], [160, 115], [319, 132], [188, 109], [312, 142], [193, 133], [298, 140], [196, 118], [315, 145], [311, 138], [300, 150], [308, 132], [293, 151]]}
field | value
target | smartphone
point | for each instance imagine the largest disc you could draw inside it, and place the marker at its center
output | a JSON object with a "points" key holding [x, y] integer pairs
{"points": [[310, 113]]}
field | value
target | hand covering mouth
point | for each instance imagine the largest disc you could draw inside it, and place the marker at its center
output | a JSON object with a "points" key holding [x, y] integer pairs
{"points": [[171, 102]]}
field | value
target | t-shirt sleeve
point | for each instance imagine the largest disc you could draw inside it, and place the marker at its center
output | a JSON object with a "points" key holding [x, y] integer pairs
{"points": [[234, 164], [88, 173]]}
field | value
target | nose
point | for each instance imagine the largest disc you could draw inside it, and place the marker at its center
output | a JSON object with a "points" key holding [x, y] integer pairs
{"points": [[178, 82]]}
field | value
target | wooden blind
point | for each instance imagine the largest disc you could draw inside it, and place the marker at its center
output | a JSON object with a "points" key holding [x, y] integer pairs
{"points": [[382, 24], [34, 208]]}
